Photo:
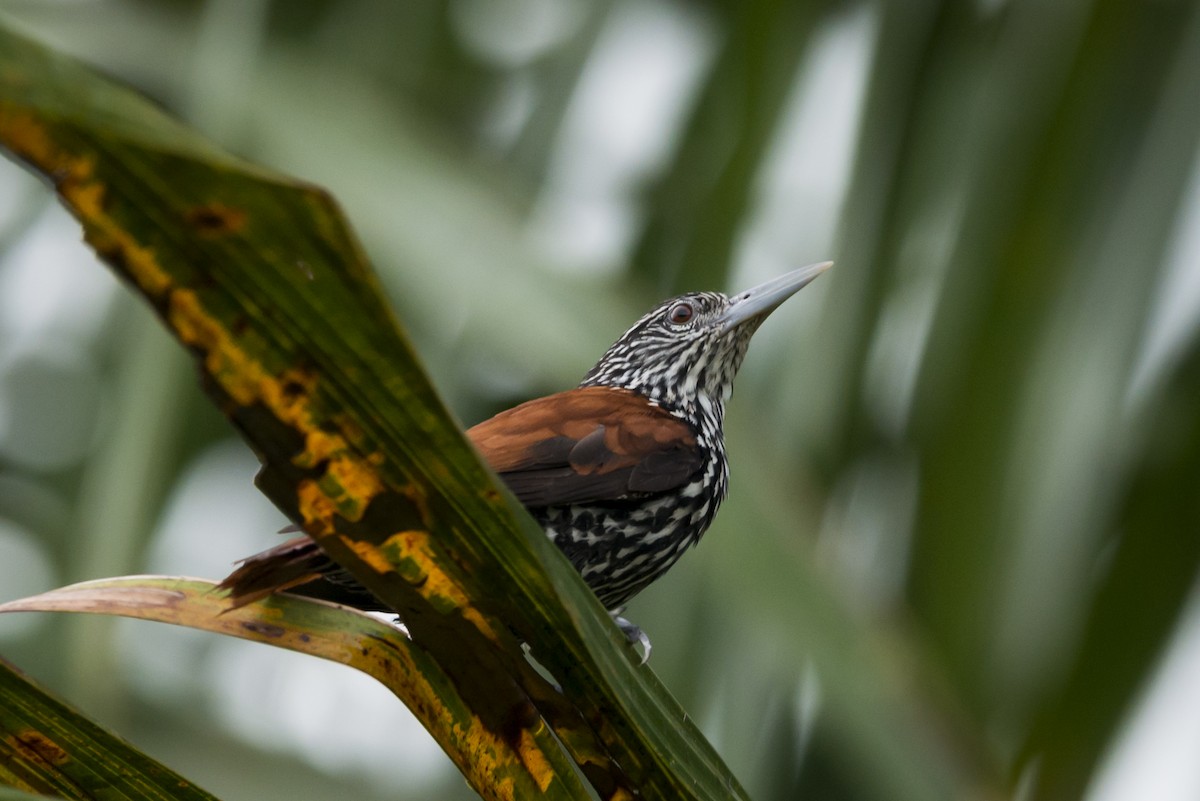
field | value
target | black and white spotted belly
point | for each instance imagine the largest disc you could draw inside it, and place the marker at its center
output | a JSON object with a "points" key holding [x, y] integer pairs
{"points": [[621, 547]]}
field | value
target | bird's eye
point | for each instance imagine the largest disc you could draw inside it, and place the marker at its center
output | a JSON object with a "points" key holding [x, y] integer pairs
{"points": [[681, 313]]}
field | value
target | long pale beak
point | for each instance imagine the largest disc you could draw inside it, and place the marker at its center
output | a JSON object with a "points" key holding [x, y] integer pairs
{"points": [[765, 298]]}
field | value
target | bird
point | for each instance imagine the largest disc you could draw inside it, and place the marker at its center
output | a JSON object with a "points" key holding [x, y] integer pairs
{"points": [[625, 472]]}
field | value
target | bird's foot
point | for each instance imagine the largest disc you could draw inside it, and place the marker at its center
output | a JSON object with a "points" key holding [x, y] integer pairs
{"points": [[634, 634]]}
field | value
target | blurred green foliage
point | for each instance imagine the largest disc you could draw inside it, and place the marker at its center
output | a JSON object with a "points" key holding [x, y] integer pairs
{"points": [[966, 463]]}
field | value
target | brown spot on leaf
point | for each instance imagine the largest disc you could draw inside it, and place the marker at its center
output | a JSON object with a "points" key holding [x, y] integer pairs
{"points": [[265, 629], [216, 219], [293, 389], [35, 746]]}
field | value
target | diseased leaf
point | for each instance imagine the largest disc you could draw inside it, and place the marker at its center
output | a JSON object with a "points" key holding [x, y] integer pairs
{"points": [[338, 634], [49, 749]]}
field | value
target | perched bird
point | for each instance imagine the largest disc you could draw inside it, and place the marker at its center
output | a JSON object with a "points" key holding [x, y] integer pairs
{"points": [[625, 472]]}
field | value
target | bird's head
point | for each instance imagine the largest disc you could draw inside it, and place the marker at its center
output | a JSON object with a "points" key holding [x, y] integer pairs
{"points": [[687, 350]]}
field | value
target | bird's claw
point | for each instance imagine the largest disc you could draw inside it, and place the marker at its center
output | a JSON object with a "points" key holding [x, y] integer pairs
{"points": [[635, 635]]}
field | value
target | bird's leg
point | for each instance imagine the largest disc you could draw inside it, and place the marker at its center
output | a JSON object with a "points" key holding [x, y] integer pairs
{"points": [[632, 632]]}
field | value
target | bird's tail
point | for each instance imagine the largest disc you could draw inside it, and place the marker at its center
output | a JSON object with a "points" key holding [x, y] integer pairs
{"points": [[284, 567], [300, 567]]}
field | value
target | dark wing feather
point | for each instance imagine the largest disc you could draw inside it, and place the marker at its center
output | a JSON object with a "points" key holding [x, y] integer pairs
{"points": [[588, 445], [300, 566]]}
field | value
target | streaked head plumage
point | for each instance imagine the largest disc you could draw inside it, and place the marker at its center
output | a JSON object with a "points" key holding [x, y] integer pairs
{"points": [[677, 351], [687, 349]]}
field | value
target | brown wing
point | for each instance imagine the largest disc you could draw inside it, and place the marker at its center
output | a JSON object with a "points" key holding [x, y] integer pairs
{"points": [[590, 444]]}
